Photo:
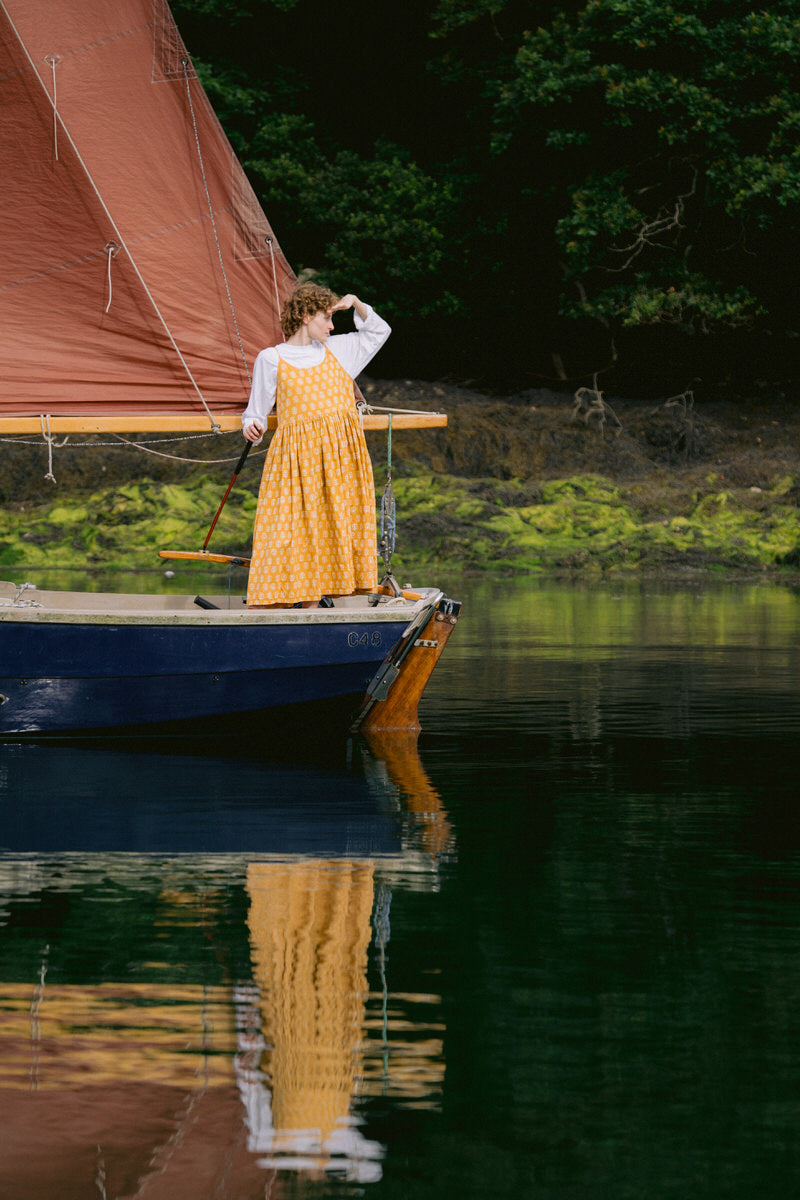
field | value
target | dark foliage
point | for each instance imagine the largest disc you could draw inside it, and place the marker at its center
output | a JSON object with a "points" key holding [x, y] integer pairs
{"points": [[531, 193]]}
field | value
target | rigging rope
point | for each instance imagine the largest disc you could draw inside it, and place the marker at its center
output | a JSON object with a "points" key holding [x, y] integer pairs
{"points": [[50, 441], [177, 457], [185, 63], [387, 502], [185, 437], [269, 242], [365, 408], [37, 997]]}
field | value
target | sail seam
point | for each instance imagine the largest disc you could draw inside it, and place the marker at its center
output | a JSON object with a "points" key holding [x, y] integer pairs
{"points": [[250, 225], [96, 45], [215, 427]]}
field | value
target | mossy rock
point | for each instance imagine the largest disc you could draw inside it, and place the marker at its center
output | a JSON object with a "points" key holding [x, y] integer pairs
{"points": [[582, 523]]}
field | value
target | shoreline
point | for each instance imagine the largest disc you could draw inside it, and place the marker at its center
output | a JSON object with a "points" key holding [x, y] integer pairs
{"points": [[527, 484]]}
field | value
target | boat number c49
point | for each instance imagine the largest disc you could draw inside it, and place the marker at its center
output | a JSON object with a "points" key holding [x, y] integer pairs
{"points": [[365, 639]]}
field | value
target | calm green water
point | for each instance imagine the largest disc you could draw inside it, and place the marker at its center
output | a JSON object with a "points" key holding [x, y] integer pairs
{"points": [[553, 951]]}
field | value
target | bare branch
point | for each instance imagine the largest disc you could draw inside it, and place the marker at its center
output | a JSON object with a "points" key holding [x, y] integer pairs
{"points": [[649, 230], [686, 439], [590, 406]]}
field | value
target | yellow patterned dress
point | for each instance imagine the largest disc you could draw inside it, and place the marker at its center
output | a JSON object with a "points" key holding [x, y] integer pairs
{"points": [[314, 532]]}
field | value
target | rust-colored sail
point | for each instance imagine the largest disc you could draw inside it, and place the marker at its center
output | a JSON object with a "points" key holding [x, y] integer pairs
{"points": [[136, 275]]}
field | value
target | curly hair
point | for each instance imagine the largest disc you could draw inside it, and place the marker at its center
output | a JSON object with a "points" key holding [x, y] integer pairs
{"points": [[305, 301]]}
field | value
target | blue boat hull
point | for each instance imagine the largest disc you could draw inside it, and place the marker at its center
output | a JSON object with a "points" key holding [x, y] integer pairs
{"points": [[73, 676]]}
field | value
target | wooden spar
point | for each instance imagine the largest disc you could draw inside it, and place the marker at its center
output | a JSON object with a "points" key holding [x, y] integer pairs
{"points": [[193, 423], [393, 696]]}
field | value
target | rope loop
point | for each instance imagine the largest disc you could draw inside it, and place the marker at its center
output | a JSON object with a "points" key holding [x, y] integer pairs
{"points": [[52, 61], [48, 438], [111, 249]]}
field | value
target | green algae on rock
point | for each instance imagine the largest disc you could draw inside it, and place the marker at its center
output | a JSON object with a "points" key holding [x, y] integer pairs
{"points": [[585, 523], [124, 527]]}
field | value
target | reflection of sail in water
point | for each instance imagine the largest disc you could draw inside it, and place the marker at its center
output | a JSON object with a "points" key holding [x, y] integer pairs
{"points": [[310, 928]]}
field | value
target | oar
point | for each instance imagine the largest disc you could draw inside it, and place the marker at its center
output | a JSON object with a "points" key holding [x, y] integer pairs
{"points": [[233, 560], [237, 469]]}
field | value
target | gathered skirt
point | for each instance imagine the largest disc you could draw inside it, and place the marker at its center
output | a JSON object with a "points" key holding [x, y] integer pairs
{"points": [[314, 532]]}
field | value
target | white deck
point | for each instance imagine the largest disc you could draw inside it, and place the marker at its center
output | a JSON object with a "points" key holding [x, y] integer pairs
{"points": [[33, 606]]}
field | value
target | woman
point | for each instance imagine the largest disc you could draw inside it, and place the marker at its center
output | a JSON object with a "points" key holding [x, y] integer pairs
{"points": [[314, 531]]}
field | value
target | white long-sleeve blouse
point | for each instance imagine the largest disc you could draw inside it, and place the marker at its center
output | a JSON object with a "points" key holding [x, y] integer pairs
{"points": [[353, 351]]}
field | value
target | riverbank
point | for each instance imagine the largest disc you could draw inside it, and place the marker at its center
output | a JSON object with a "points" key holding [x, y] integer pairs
{"points": [[535, 482]]}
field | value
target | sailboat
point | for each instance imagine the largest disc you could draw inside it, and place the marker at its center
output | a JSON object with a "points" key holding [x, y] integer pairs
{"points": [[140, 279]]}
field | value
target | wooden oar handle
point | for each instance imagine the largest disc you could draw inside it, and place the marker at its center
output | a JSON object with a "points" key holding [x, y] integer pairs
{"points": [[235, 560]]}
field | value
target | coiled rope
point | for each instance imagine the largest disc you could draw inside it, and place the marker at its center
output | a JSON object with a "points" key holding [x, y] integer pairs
{"points": [[382, 926]]}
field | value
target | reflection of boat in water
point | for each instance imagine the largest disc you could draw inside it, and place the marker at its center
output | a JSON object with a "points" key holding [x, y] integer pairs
{"points": [[141, 278], [396, 752], [169, 797], [164, 1084]]}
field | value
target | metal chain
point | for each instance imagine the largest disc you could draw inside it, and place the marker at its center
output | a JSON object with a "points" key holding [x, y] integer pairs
{"points": [[388, 508]]}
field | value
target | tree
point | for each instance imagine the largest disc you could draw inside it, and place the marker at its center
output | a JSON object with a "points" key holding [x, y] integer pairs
{"points": [[668, 138], [363, 214], [525, 182]]}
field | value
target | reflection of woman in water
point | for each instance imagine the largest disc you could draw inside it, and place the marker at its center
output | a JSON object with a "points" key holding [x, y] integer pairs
{"points": [[314, 531]]}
